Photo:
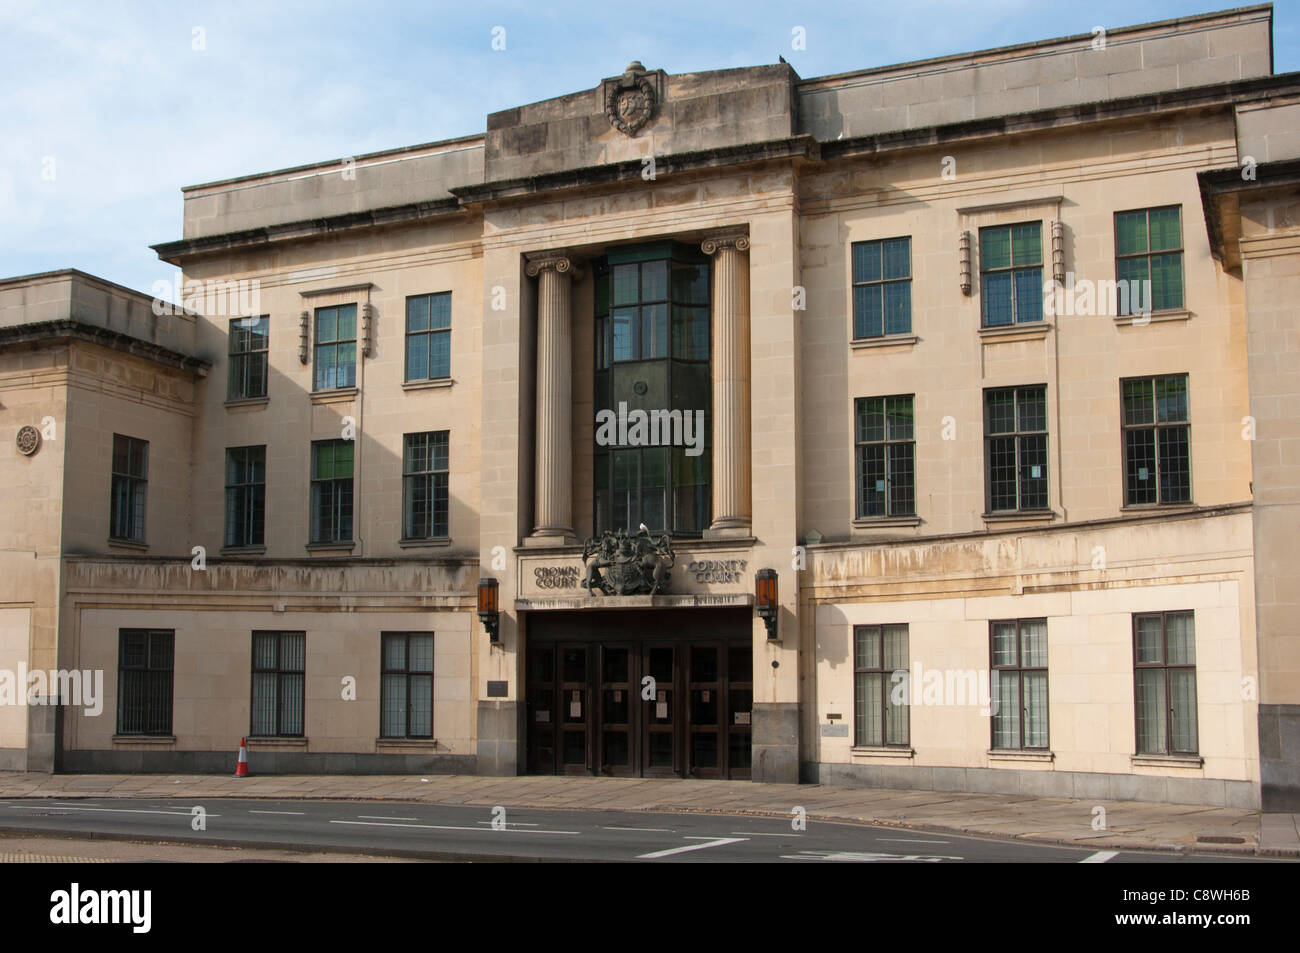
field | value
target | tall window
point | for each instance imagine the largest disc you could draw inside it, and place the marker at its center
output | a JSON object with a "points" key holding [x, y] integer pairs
{"points": [[428, 337], [249, 339], [886, 456], [144, 681], [880, 685], [882, 287], [1149, 248], [336, 347], [127, 489], [1015, 448], [1157, 441], [279, 665], [424, 485], [1164, 657], [406, 689], [652, 358], [1019, 661], [245, 496], [331, 491], [1011, 274]]}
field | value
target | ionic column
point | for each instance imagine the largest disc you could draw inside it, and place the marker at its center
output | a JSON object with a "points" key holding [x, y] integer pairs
{"points": [[553, 483], [731, 490]]}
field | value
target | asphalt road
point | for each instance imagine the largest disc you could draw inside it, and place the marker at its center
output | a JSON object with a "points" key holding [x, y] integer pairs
{"points": [[454, 832]]}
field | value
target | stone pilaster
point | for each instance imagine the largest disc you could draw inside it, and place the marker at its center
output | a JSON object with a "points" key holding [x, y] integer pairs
{"points": [[732, 504], [553, 486]]}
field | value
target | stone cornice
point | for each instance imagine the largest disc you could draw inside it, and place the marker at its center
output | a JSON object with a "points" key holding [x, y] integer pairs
{"points": [[1221, 193], [48, 332]]}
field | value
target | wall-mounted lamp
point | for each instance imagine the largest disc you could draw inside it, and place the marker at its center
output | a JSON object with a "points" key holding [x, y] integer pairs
{"points": [[489, 608], [765, 599]]}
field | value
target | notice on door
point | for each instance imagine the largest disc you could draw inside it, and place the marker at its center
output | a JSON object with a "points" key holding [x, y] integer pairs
{"points": [[575, 706], [661, 710]]}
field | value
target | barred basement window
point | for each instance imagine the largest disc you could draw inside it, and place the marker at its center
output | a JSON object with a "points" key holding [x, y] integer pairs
{"points": [[331, 491], [1018, 650], [1011, 274], [144, 681], [428, 337], [406, 688], [127, 489], [1015, 448], [249, 339], [882, 287], [886, 454], [1157, 441], [245, 496], [336, 347], [880, 685], [1149, 249], [424, 485], [279, 664], [1164, 675]]}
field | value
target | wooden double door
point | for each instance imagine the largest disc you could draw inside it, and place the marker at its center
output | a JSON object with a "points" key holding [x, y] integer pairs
{"points": [[639, 707]]}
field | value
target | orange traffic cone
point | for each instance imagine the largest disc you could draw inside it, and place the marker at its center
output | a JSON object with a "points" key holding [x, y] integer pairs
{"points": [[241, 768]]}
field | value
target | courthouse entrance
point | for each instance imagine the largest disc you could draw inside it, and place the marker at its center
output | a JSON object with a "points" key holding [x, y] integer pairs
{"points": [[641, 693]]}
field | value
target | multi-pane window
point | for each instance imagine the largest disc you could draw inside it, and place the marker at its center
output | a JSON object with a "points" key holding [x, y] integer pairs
{"points": [[428, 337], [1019, 664], [248, 350], [279, 665], [336, 347], [886, 444], [144, 681], [1149, 251], [1011, 274], [1015, 448], [1164, 661], [245, 496], [127, 488], [424, 485], [638, 315], [880, 685], [882, 287], [331, 491], [1157, 441], [406, 688], [652, 326]]}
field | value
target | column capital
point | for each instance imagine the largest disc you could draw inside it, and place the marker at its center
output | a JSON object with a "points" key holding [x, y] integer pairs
{"points": [[559, 262], [716, 243]]}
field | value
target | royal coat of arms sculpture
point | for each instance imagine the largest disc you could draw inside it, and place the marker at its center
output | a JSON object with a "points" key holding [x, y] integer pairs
{"points": [[627, 564]]}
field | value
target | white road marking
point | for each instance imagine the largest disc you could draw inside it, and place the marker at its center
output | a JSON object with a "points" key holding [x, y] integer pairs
{"points": [[508, 823], [1100, 857], [277, 812], [863, 857], [652, 830], [449, 827], [106, 810], [760, 834], [381, 817], [708, 842], [910, 840]]}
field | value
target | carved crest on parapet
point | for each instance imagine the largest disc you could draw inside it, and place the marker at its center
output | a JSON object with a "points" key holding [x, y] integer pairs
{"points": [[631, 100], [627, 564]]}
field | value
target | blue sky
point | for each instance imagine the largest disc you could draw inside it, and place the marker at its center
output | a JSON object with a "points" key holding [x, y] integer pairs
{"points": [[117, 95]]}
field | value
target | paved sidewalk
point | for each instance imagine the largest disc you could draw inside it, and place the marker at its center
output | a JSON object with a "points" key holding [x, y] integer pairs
{"points": [[1128, 824]]}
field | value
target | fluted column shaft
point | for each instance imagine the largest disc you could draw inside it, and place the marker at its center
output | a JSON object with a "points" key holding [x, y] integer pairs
{"points": [[731, 411], [553, 477]]}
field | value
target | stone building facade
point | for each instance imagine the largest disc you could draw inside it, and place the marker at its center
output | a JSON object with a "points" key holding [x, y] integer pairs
{"points": [[1026, 537]]}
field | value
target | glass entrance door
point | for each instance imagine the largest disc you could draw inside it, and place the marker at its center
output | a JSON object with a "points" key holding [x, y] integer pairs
{"points": [[619, 747], [660, 741]]}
